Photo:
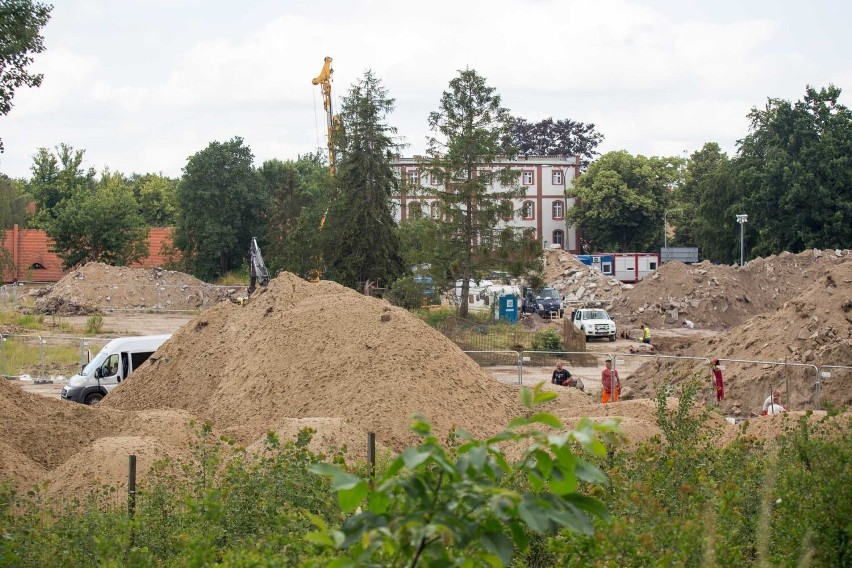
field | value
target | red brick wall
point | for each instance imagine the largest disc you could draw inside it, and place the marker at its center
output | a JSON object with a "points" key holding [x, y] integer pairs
{"points": [[30, 246]]}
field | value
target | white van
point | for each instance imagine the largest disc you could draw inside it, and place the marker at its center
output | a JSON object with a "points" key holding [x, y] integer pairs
{"points": [[113, 364]]}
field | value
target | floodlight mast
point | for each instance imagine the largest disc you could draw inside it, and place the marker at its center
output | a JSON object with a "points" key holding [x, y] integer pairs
{"points": [[742, 220]]}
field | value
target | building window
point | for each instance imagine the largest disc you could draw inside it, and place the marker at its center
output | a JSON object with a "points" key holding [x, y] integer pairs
{"points": [[527, 177], [434, 210], [559, 237], [415, 211], [506, 210], [558, 210], [436, 179], [557, 177], [414, 177], [528, 210]]}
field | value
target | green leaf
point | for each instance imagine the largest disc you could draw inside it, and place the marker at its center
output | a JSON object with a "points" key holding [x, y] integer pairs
{"points": [[545, 418], [535, 479], [590, 473], [378, 502], [572, 518], [500, 545], [320, 538], [316, 520], [341, 563], [562, 481], [343, 481], [543, 397], [414, 457], [543, 463], [519, 421], [396, 465], [526, 397], [532, 514], [590, 504], [351, 498]]}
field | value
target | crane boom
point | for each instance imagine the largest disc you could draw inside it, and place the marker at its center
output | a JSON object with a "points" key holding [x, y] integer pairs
{"points": [[324, 79]]}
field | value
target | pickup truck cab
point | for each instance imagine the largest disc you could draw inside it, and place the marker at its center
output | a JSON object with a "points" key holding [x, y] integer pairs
{"points": [[594, 322], [543, 301]]}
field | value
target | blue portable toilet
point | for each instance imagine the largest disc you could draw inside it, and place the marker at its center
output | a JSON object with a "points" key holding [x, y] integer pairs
{"points": [[508, 308]]}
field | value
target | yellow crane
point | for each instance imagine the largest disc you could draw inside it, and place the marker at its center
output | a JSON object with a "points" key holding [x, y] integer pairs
{"points": [[324, 79]]}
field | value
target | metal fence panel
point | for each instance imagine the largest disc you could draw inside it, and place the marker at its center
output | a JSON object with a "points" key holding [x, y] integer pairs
{"points": [[834, 383]]}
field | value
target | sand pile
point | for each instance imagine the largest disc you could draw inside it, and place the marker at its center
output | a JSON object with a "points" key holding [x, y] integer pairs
{"points": [[814, 328], [720, 296], [302, 350], [99, 287], [578, 282], [42, 434]]}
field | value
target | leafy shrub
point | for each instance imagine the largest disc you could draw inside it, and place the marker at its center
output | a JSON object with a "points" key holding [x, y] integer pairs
{"points": [[547, 340], [407, 293], [94, 324]]}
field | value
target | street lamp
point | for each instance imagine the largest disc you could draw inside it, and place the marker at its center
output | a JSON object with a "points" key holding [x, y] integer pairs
{"points": [[666, 233], [742, 220]]}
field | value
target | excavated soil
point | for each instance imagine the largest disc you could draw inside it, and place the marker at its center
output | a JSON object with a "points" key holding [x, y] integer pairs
{"points": [[720, 296], [579, 283], [813, 328], [302, 350], [99, 287]]}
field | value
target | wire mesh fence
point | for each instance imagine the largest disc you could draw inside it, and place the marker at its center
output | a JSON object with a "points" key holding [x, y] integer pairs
{"points": [[46, 357]]}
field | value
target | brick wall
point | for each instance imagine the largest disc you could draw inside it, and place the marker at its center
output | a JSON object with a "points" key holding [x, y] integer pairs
{"points": [[33, 260]]}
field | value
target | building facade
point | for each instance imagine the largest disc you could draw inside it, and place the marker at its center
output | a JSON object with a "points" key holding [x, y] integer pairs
{"points": [[542, 208]]}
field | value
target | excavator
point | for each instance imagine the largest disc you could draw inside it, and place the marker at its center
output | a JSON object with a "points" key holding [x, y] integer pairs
{"points": [[258, 273]]}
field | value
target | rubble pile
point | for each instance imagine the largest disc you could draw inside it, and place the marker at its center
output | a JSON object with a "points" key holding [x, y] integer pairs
{"points": [[579, 283], [99, 287], [720, 296]]}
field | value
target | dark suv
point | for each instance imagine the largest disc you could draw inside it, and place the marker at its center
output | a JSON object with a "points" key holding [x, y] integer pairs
{"points": [[543, 301]]}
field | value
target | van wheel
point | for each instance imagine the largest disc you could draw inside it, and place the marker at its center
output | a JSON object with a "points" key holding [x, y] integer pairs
{"points": [[612, 337], [93, 398]]}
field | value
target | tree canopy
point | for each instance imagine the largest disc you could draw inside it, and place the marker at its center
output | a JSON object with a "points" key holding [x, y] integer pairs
{"points": [[220, 201], [622, 199], [562, 137], [21, 22]]}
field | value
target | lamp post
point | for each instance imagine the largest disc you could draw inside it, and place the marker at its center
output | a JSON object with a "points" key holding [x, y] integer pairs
{"points": [[666, 233], [742, 220]]}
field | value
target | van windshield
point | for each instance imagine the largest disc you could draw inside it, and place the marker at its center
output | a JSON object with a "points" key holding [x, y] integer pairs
{"points": [[547, 294], [94, 363]]}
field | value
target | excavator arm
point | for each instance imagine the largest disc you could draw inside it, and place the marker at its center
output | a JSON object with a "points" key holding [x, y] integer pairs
{"points": [[258, 273], [324, 79]]}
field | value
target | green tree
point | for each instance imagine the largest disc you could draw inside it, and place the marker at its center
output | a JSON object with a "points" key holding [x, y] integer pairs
{"points": [[794, 173], [707, 204], [297, 193], [471, 130], [360, 241], [220, 200], [13, 203], [56, 176], [622, 199], [21, 22], [156, 195], [103, 225]]}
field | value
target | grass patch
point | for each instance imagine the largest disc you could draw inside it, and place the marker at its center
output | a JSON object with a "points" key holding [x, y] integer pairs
{"points": [[22, 356], [233, 278]]}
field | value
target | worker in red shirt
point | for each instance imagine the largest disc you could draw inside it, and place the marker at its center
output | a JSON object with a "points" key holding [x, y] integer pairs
{"points": [[611, 383]]}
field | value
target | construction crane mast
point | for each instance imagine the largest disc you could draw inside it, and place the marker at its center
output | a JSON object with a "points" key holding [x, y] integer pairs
{"points": [[324, 79]]}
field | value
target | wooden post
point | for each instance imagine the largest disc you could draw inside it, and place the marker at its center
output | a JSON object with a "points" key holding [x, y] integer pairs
{"points": [[371, 452], [131, 485]]}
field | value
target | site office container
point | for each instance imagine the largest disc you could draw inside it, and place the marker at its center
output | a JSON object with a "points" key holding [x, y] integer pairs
{"points": [[625, 266]]}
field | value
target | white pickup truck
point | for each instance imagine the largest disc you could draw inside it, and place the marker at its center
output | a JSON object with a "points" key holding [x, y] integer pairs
{"points": [[594, 322]]}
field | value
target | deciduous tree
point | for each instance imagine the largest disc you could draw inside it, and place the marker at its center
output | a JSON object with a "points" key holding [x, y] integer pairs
{"points": [[220, 200], [622, 199], [562, 137], [21, 22]]}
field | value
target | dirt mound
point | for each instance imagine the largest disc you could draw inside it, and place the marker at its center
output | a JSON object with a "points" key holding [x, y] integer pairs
{"points": [[814, 328], [105, 463], [302, 350], [577, 282], [720, 296], [98, 287]]}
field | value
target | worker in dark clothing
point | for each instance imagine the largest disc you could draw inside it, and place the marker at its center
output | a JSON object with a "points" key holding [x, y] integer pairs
{"points": [[561, 377]]}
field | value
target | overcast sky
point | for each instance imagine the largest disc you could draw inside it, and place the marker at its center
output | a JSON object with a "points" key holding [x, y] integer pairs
{"points": [[141, 85]]}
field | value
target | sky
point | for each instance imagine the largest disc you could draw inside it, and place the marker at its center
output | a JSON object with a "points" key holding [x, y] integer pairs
{"points": [[142, 85]]}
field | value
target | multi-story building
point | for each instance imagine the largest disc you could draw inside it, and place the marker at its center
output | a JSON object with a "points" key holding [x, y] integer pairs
{"points": [[542, 207]]}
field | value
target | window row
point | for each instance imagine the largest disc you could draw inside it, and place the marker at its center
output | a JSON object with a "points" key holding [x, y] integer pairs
{"points": [[557, 209], [527, 177]]}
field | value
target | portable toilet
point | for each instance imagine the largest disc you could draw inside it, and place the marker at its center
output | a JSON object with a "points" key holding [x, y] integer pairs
{"points": [[508, 308]]}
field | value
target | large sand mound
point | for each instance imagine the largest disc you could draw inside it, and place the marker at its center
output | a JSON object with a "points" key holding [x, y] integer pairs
{"points": [[719, 296], [302, 350], [814, 328], [98, 287]]}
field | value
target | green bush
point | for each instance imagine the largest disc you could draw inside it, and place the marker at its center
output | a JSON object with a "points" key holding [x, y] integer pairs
{"points": [[94, 324], [547, 339], [407, 293]]}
